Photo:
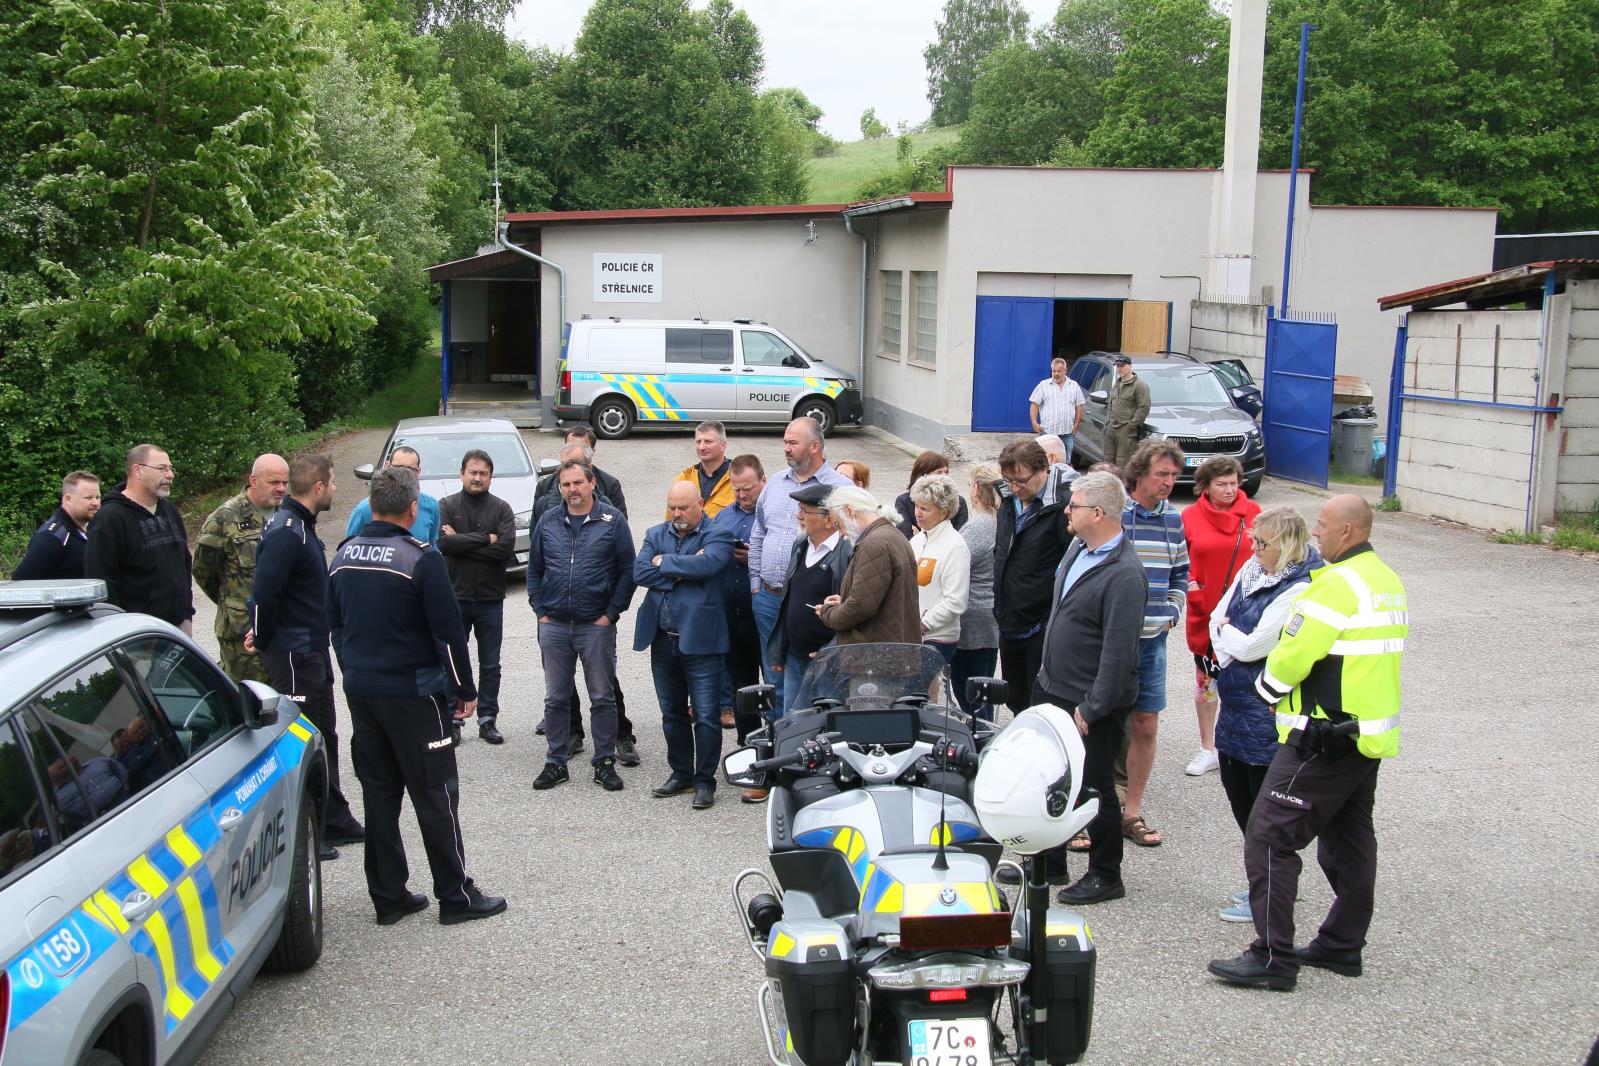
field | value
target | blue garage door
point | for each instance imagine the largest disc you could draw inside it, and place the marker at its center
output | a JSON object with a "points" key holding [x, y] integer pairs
{"points": [[1300, 357], [1011, 356]]}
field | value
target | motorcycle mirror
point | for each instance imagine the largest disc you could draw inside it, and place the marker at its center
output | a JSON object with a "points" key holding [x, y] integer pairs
{"points": [[736, 767], [989, 690], [755, 700]]}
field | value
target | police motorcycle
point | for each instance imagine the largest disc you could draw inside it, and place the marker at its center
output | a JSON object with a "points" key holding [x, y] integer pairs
{"points": [[885, 938]]}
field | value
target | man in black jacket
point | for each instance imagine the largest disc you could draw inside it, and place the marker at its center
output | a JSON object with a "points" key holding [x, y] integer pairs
{"points": [[579, 582], [58, 546], [477, 536], [1090, 663], [607, 487], [1030, 536], [288, 612], [397, 633], [138, 546]]}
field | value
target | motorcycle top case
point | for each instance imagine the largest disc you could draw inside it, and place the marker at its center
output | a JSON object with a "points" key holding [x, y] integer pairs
{"points": [[809, 959], [1069, 958]]}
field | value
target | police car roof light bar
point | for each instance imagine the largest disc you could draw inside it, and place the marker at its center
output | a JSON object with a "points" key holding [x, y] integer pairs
{"points": [[84, 592]]}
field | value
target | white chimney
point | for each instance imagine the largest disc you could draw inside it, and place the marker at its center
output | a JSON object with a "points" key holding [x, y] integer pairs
{"points": [[1232, 224]]}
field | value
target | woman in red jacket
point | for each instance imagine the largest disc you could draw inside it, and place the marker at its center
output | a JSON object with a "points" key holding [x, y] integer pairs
{"points": [[1218, 545]]}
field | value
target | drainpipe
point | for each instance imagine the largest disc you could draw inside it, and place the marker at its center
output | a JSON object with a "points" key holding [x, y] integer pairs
{"points": [[560, 271], [1537, 397], [860, 358]]}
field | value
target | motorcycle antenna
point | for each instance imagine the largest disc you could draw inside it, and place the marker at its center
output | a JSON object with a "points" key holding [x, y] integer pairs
{"points": [[940, 862]]}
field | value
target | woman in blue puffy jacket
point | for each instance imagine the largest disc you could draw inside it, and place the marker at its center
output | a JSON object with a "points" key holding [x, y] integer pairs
{"points": [[1244, 628]]}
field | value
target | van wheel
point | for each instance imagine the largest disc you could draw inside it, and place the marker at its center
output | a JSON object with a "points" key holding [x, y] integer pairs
{"points": [[300, 943], [99, 1057], [819, 409], [613, 418]]}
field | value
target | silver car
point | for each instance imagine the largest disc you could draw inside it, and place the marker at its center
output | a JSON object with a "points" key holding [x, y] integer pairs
{"points": [[442, 440], [158, 833]]}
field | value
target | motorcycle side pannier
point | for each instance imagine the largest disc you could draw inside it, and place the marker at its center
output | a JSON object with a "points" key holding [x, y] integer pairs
{"points": [[810, 965], [1069, 959]]}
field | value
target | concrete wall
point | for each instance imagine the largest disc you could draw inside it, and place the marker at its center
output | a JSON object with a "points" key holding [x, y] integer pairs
{"points": [[1468, 464], [760, 269], [903, 396], [1351, 256], [1229, 331], [1577, 471]]}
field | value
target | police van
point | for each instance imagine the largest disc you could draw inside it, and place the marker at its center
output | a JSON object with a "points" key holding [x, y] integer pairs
{"points": [[616, 374], [158, 833]]}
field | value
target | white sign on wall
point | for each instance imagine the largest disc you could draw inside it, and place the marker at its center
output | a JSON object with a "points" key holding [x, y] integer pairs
{"points": [[627, 278]]}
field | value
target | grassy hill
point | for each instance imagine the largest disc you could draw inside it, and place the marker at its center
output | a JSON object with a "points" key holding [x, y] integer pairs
{"points": [[835, 178]]}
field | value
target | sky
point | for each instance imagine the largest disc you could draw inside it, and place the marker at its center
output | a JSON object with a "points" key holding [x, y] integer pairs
{"points": [[846, 55]]}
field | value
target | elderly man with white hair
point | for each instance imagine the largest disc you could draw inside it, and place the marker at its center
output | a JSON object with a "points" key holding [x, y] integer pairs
{"points": [[877, 603], [1058, 458]]}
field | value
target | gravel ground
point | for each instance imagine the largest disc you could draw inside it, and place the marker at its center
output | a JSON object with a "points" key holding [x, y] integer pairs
{"points": [[620, 944]]}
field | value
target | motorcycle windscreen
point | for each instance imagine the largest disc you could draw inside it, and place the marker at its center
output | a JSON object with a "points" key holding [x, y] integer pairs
{"points": [[875, 675]]}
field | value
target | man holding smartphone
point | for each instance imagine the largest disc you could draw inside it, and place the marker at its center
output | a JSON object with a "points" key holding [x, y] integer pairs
{"points": [[747, 477]]}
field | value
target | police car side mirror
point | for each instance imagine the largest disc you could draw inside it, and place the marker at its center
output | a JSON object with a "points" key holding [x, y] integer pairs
{"points": [[260, 704], [548, 467], [364, 471], [796, 362]]}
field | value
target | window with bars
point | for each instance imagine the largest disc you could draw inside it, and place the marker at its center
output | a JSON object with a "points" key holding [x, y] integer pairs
{"points": [[893, 311], [925, 284]]}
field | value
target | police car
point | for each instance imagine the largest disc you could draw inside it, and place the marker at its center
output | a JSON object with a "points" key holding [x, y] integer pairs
{"points": [[158, 833]]}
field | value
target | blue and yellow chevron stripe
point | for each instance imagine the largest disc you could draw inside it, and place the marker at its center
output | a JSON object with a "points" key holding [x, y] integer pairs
{"points": [[182, 937], [652, 397]]}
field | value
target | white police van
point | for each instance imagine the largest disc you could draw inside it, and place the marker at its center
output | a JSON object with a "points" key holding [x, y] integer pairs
{"points": [[616, 374], [158, 834]]}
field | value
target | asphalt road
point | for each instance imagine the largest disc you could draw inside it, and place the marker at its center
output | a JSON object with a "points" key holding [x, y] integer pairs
{"points": [[620, 944]]}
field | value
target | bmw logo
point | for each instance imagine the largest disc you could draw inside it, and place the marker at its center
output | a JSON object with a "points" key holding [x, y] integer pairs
{"points": [[947, 897], [879, 767]]}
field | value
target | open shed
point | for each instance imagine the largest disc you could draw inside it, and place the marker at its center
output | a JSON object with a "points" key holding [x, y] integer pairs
{"points": [[489, 318]]}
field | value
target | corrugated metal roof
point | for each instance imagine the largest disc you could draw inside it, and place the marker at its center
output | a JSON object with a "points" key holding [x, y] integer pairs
{"points": [[1497, 287], [524, 219]]}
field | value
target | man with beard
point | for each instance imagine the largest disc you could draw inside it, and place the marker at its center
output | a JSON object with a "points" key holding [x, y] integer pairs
{"points": [[138, 546], [683, 623], [477, 536]]}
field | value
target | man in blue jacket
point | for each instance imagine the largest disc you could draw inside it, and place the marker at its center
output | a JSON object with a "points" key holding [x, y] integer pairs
{"points": [[579, 581], [684, 624]]}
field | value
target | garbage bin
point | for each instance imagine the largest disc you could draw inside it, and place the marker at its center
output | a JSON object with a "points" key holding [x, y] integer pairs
{"points": [[1352, 439]]}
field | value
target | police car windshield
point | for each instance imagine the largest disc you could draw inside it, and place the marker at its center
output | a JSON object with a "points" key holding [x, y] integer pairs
{"points": [[441, 452], [1184, 387]]}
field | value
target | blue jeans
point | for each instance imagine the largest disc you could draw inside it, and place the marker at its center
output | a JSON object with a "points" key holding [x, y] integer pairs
{"points": [[969, 663], [488, 618], [766, 606], [693, 747], [793, 675], [561, 645], [1066, 439], [1152, 673]]}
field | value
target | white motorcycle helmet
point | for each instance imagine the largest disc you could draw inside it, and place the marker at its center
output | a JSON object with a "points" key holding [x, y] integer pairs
{"points": [[1028, 783]]}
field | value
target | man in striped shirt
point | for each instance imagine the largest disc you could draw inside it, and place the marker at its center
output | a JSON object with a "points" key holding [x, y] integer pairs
{"points": [[1156, 529], [1056, 405]]}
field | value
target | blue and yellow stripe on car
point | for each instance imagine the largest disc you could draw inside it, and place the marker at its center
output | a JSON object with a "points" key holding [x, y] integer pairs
{"points": [[182, 937], [649, 393]]}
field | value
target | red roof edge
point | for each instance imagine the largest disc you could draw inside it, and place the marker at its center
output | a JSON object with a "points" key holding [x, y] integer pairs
{"points": [[705, 214], [1461, 286]]}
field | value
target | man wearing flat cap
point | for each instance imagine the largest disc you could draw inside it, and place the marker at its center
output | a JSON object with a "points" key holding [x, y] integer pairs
{"points": [[1124, 418]]}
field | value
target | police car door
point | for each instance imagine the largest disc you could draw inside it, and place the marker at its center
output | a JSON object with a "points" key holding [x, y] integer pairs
{"points": [[129, 815], [699, 373], [771, 377], [244, 775]]}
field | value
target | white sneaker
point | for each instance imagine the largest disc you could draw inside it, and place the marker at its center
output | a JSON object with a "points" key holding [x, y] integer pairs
{"points": [[1202, 763]]}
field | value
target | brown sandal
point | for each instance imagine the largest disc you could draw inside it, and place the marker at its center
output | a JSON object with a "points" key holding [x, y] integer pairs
{"points": [[1139, 833], [1079, 842]]}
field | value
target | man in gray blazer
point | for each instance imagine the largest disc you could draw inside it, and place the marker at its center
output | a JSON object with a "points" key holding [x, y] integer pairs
{"points": [[1090, 663]]}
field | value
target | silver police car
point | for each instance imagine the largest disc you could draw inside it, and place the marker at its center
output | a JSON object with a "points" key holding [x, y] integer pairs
{"points": [[158, 833]]}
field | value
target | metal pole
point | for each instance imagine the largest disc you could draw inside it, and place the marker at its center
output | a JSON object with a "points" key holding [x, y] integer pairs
{"points": [[1293, 166]]}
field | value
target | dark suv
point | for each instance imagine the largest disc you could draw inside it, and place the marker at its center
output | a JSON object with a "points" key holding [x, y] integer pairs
{"points": [[1189, 405]]}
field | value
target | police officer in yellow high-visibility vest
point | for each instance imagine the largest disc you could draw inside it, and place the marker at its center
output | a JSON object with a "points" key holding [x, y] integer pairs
{"points": [[1336, 668]]}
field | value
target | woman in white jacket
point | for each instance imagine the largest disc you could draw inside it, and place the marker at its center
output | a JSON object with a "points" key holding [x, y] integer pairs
{"points": [[943, 563]]}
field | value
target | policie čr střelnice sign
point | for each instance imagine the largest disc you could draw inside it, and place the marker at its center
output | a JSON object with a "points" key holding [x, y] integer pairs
{"points": [[627, 278]]}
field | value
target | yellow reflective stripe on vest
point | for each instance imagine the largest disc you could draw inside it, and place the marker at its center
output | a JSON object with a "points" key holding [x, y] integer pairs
{"points": [[1322, 613]]}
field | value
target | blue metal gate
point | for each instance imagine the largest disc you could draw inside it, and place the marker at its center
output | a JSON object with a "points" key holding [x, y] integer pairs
{"points": [[1300, 358], [1010, 357]]}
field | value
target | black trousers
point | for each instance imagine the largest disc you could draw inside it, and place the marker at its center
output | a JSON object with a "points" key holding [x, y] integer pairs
{"points": [[1241, 781], [743, 663], [1019, 662], [1100, 745], [306, 677], [401, 747], [1329, 801]]}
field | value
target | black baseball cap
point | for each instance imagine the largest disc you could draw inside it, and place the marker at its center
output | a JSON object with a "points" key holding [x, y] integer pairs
{"points": [[1123, 360]]}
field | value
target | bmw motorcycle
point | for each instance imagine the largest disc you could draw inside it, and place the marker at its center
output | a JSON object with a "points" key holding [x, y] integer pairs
{"points": [[885, 938]]}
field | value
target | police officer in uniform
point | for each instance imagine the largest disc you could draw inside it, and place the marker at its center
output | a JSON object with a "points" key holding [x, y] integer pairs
{"points": [[224, 560], [58, 546], [1336, 668], [397, 631], [288, 612]]}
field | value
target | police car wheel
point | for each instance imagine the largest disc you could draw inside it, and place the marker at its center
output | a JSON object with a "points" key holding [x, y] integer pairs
{"points": [[99, 1056], [821, 410], [613, 419], [300, 943]]}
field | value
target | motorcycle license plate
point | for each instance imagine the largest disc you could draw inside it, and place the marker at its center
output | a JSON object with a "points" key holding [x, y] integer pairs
{"points": [[950, 1042]]}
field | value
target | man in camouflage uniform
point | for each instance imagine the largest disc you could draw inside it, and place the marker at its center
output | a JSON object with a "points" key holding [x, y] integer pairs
{"points": [[224, 560]]}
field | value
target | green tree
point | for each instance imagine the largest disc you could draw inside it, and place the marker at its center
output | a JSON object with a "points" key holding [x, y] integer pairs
{"points": [[872, 127], [969, 30], [787, 144]]}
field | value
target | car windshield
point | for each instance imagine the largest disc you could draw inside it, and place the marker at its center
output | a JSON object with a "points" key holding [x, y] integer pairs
{"points": [[1182, 386], [441, 452], [873, 675]]}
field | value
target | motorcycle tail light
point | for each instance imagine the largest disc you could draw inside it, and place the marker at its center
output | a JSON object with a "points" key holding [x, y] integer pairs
{"points": [[947, 995]]}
